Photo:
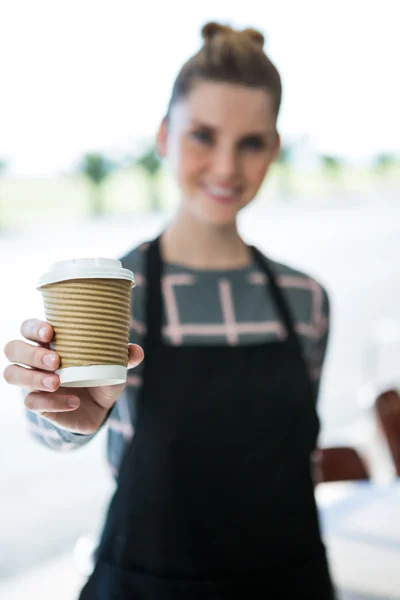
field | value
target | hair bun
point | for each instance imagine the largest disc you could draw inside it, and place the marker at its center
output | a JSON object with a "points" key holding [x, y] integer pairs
{"points": [[255, 36], [211, 29]]}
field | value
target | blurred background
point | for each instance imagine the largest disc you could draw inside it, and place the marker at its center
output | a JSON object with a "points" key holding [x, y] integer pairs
{"points": [[84, 86]]}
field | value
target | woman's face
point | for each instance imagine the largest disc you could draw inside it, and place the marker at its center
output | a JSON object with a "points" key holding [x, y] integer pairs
{"points": [[220, 141]]}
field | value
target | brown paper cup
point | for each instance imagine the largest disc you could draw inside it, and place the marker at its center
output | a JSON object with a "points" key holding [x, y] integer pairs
{"points": [[91, 320]]}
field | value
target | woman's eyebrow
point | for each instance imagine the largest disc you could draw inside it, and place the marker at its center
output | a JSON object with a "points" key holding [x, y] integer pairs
{"points": [[250, 133]]}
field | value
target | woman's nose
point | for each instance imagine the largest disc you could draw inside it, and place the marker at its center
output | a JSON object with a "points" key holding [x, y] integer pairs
{"points": [[225, 163]]}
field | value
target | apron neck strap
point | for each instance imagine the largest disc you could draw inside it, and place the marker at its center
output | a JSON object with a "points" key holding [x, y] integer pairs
{"points": [[153, 302], [277, 296]]}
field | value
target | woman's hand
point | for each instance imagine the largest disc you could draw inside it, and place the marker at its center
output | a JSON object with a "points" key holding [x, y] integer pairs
{"points": [[79, 410]]}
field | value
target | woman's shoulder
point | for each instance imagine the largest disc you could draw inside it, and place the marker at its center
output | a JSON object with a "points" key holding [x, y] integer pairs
{"points": [[291, 278], [285, 270], [134, 259]]}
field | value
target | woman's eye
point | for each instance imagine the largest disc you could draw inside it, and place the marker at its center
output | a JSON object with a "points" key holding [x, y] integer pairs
{"points": [[204, 137], [253, 143]]}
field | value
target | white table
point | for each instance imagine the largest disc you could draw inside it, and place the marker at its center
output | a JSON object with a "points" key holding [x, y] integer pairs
{"points": [[361, 526]]}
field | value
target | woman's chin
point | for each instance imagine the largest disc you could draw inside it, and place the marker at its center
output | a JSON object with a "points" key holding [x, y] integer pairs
{"points": [[219, 215], [219, 219]]}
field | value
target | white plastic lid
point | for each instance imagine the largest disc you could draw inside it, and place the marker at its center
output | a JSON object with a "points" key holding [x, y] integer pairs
{"points": [[85, 268]]}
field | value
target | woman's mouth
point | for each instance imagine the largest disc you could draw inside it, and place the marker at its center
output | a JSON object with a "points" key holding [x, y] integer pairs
{"points": [[223, 194]]}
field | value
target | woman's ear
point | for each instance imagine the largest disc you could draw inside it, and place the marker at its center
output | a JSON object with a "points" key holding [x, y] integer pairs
{"points": [[277, 147], [161, 138]]}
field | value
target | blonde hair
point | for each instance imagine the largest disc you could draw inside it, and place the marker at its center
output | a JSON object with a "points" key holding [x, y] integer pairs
{"points": [[229, 56]]}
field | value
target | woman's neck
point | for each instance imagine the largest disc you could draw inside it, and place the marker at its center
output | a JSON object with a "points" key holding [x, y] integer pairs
{"points": [[189, 242]]}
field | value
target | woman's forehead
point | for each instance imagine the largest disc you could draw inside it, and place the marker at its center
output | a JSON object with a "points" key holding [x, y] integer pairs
{"points": [[220, 105]]}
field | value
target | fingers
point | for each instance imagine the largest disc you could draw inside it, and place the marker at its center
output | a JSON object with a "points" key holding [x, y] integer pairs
{"points": [[40, 402], [37, 331], [136, 355], [31, 379], [37, 357]]}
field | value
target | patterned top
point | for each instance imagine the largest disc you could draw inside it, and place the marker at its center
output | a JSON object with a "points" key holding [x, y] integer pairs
{"points": [[207, 307]]}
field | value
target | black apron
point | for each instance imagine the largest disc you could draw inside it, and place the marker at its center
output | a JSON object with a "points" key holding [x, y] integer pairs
{"points": [[215, 497]]}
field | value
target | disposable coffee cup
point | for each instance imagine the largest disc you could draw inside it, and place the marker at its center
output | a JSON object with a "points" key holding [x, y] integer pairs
{"points": [[87, 301]]}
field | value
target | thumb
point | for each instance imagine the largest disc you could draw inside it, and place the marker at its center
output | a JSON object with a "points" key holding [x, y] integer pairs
{"points": [[136, 355]]}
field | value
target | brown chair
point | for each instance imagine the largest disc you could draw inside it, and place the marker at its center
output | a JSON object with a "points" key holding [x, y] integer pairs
{"points": [[339, 463], [387, 408]]}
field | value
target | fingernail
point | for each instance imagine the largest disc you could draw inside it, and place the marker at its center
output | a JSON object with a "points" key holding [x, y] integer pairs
{"points": [[48, 382], [49, 360], [73, 402], [43, 333]]}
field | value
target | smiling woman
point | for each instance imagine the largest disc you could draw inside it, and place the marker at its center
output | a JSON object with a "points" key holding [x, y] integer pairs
{"points": [[220, 143], [211, 440], [220, 129]]}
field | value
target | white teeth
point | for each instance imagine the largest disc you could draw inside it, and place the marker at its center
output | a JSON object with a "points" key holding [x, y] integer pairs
{"points": [[218, 191]]}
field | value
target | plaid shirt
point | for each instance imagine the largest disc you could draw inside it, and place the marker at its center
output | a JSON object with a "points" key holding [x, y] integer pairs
{"points": [[207, 307]]}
